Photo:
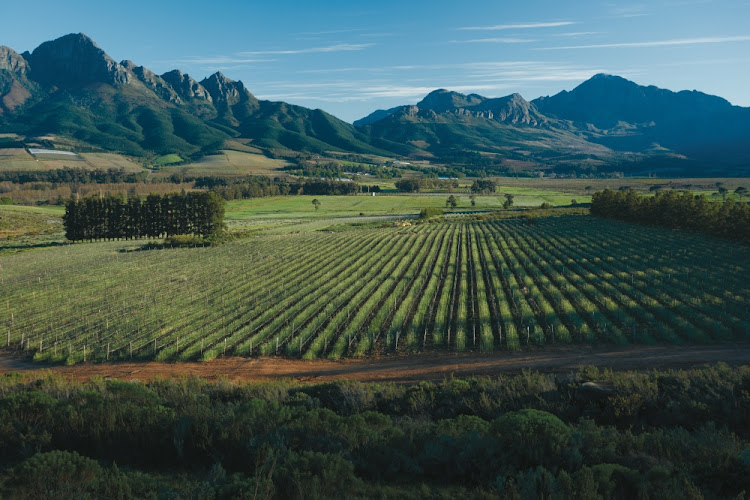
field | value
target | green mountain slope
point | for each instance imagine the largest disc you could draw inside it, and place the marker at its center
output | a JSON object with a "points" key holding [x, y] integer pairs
{"points": [[72, 88]]}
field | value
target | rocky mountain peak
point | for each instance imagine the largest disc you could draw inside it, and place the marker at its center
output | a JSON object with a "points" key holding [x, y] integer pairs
{"points": [[187, 88], [10, 60], [443, 100], [152, 81], [75, 60], [222, 89]]}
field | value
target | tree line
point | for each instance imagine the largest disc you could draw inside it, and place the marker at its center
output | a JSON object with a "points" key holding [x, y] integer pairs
{"points": [[116, 217], [261, 186], [727, 219], [74, 175]]}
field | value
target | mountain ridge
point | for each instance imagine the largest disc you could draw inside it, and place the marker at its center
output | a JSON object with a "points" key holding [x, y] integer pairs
{"points": [[71, 87]]}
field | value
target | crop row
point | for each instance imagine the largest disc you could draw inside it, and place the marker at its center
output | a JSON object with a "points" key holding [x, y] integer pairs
{"points": [[456, 286]]}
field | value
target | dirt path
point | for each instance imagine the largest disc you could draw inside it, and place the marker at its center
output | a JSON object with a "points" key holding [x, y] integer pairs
{"points": [[407, 369]]}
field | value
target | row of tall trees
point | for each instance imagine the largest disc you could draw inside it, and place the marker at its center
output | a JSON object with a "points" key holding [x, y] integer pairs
{"points": [[260, 186], [115, 217], [74, 175], [728, 219]]}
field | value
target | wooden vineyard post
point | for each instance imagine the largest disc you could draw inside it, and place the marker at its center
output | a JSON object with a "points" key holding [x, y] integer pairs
{"points": [[154, 347], [527, 335], [131, 349], [107, 351], [41, 345], [225, 346], [84, 353]]}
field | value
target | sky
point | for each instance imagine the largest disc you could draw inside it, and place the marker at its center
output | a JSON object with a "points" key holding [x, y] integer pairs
{"points": [[350, 58]]}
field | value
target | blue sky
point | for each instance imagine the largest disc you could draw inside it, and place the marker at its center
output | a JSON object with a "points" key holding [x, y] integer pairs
{"points": [[351, 58]]}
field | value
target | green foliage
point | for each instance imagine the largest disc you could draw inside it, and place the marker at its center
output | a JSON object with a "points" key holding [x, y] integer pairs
{"points": [[533, 437], [483, 186], [6, 200], [451, 202], [169, 159], [57, 474], [675, 210], [508, 201], [409, 185], [428, 212], [112, 217], [526, 436]]}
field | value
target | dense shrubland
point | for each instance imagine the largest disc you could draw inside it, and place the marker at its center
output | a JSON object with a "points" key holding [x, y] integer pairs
{"points": [[675, 434]]}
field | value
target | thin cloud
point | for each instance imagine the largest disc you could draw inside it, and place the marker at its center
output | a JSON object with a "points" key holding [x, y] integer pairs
{"points": [[489, 78], [332, 32], [629, 11], [340, 47], [656, 43], [496, 40], [518, 26], [224, 60], [578, 33]]}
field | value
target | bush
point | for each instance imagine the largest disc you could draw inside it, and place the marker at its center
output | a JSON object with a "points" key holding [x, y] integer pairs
{"points": [[426, 213], [546, 205], [185, 240], [6, 200], [57, 474]]}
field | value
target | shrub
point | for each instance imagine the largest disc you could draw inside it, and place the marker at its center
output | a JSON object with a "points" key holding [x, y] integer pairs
{"points": [[426, 213]]}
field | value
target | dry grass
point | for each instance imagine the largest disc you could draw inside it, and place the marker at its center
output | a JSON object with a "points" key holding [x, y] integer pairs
{"points": [[230, 162]]}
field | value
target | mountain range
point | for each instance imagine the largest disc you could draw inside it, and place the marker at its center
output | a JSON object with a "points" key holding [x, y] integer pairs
{"points": [[70, 87]]}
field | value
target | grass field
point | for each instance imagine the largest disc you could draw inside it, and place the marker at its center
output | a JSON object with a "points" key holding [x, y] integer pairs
{"points": [[230, 162], [167, 160], [283, 207], [455, 286], [23, 227]]}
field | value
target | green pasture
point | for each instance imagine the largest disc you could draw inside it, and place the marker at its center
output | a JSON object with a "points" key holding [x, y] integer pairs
{"points": [[384, 204]]}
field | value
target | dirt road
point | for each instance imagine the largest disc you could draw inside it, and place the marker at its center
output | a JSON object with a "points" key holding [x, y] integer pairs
{"points": [[409, 369]]}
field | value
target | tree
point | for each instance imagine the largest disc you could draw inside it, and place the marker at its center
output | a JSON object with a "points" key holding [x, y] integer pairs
{"points": [[316, 203], [740, 191], [473, 200], [451, 202], [723, 192], [409, 185], [508, 201], [484, 186]]}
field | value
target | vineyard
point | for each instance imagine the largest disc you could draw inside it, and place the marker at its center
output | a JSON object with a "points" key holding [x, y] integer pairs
{"points": [[456, 286]]}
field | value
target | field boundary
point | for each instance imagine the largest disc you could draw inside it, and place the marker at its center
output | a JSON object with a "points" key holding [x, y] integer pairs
{"points": [[406, 369]]}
